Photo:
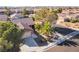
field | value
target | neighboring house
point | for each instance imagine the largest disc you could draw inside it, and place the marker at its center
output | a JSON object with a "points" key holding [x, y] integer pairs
{"points": [[23, 23], [3, 17], [67, 19], [31, 15], [16, 15], [15, 18], [77, 16]]}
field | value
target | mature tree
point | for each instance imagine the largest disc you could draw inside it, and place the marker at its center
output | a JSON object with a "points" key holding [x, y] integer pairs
{"points": [[7, 12], [42, 13], [44, 29], [52, 18], [47, 13], [57, 10], [37, 26], [10, 36], [47, 28], [47, 17], [24, 12]]}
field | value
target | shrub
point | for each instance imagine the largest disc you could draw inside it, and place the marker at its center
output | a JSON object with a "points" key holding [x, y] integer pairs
{"points": [[10, 35]]}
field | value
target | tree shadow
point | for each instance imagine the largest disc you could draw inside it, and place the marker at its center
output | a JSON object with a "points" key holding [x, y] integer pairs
{"points": [[14, 49], [69, 43]]}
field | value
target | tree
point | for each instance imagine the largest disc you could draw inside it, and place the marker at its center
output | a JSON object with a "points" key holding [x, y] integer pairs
{"points": [[47, 13], [10, 37], [47, 17], [52, 18], [37, 26], [7, 12], [41, 14], [44, 29], [74, 20], [57, 10], [24, 12], [47, 28]]}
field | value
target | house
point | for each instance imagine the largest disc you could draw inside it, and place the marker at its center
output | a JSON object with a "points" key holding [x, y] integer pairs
{"points": [[77, 16], [26, 25], [22, 22], [15, 18], [26, 20], [16, 15], [3, 17], [28, 35], [27, 30]]}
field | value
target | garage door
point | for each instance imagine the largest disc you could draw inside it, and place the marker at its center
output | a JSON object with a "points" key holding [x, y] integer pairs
{"points": [[30, 42]]}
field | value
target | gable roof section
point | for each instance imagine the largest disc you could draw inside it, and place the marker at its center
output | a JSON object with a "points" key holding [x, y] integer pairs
{"points": [[24, 26], [28, 21], [3, 17]]}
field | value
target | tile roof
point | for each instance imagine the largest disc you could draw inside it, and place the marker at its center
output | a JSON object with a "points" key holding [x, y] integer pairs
{"points": [[24, 26], [3, 17], [29, 21]]}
